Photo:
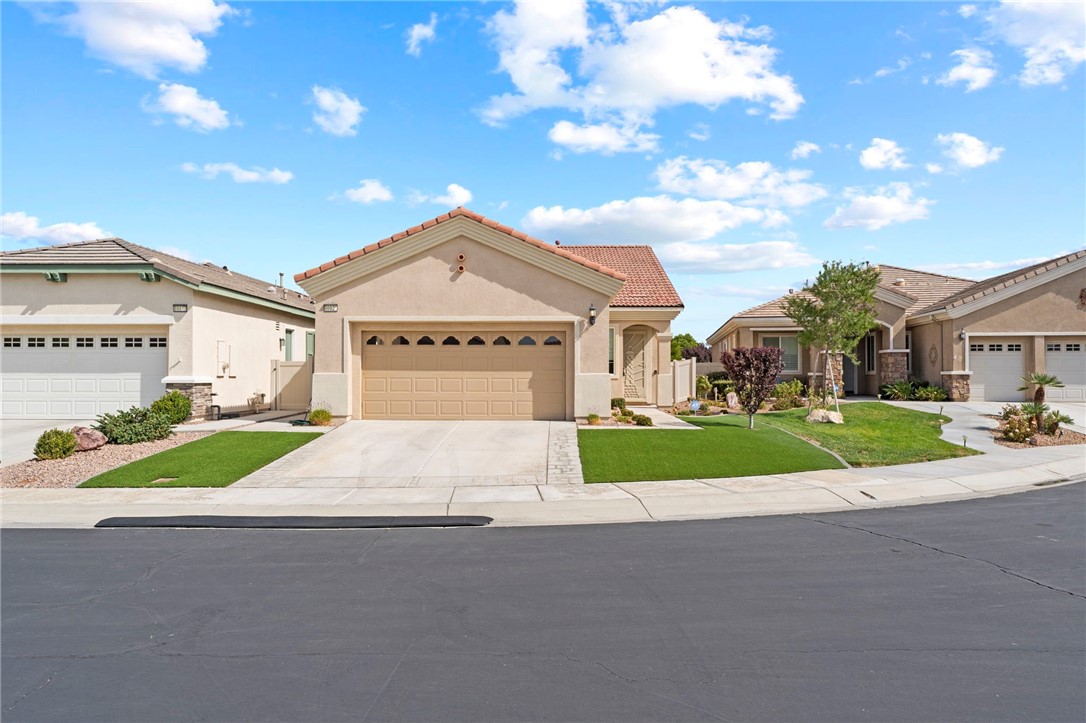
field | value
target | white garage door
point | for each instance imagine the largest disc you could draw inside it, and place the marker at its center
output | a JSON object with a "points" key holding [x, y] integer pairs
{"points": [[998, 366], [79, 376], [1067, 360]]}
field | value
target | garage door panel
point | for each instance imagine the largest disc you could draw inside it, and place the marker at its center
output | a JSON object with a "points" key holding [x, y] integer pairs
{"points": [[476, 385], [450, 385], [1066, 360], [476, 408], [60, 385], [399, 385], [61, 408], [425, 408], [84, 408], [426, 385], [37, 386], [84, 386], [13, 386], [998, 365]]}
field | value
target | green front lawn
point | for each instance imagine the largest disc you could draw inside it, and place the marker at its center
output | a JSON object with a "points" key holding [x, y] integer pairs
{"points": [[215, 461], [874, 434], [724, 448]]}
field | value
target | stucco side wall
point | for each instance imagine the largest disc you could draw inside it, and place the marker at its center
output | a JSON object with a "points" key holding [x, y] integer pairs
{"points": [[253, 340], [924, 338], [1051, 307]]}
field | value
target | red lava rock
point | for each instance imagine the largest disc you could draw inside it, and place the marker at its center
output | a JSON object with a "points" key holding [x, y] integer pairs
{"points": [[87, 438]]}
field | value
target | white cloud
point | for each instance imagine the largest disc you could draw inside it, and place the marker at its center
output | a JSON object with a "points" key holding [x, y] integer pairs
{"points": [[369, 190], [690, 258], [889, 204], [967, 11], [985, 269], [804, 149], [337, 113], [602, 138], [455, 195], [968, 151], [700, 132], [188, 108], [256, 174], [626, 71], [750, 183], [19, 226], [933, 168], [883, 153], [144, 37], [646, 219], [901, 65], [420, 33], [1051, 35], [975, 68], [717, 291], [179, 253]]}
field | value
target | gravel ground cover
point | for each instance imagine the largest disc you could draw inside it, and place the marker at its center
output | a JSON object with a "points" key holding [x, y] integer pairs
{"points": [[69, 472]]}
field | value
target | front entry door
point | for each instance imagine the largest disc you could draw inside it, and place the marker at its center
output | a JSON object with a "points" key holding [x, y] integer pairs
{"points": [[633, 365]]}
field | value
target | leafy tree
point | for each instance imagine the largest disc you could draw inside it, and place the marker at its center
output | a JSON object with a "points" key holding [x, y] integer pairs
{"points": [[754, 372], [836, 311], [698, 352], [680, 342], [1038, 409]]}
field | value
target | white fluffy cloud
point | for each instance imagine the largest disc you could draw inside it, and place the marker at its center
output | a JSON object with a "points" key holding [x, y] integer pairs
{"points": [[337, 113], [602, 138], [646, 219], [188, 108], [144, 37], [256, 174], [369, 190], [689, 258], [975, 68], [968, 151], [20, 226], [420, 33], [933, 168], [894, 203], [627, 70], [455, 195], [700, 132], [804, 149], [883, 153], [1051, 35], [753, 183], [967, 11], [984, 269]]}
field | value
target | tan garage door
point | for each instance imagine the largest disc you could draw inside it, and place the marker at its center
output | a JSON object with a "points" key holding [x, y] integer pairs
{"points": [[464, 375]]}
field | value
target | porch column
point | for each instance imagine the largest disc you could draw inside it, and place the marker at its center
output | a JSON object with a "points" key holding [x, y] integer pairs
{"points": [[893, 366], [957, 385], [815, 380]]}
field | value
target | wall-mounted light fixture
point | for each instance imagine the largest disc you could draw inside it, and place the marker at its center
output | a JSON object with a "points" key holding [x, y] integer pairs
{"points": [[330, 308], [591, 314], [962, 335], [282, 343], [180, 308]]}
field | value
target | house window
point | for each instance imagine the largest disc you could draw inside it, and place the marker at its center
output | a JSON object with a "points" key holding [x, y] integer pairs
{"points": [[12, 342], [611, 352], [1014, 347], [995, 347], [108, 342], [133, 342], [288, 342], [869, 354], [790, 345], [35, 342], [976, 347], [1052, 347], [1073, 347], [157, 342], [84, 342], [61, 342]]}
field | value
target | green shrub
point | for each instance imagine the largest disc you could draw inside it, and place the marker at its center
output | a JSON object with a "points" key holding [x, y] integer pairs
{"points": [[787, 395], [320, 417], [898, 391], [55, 444], [130, 426], [723, 386], [1010, 410], [618, 403], [1053, 420], [930, 394], [642, 421], [1018, 429], [593, 419], [702, 385], [175, 406], [717, 376]]}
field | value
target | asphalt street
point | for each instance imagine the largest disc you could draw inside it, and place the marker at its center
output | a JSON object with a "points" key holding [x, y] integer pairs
{"points": [[951, 612]]}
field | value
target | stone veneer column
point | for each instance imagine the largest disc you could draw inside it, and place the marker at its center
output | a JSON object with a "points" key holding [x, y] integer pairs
{"points": [[893, 366], [199, 394], [957, 385], [815, 379]]}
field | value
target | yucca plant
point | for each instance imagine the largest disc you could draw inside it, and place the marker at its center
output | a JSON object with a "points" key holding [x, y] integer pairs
{"points": [[1036, 411], [1042, 381]]}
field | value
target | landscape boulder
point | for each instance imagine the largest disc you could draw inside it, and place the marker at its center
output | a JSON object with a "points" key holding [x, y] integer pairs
{"points": [[732, 400], [825, 416], [87, 438]]}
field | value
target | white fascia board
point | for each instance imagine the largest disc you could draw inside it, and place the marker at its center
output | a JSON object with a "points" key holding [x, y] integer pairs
{"points": [[1005, 293], [86, 320]]}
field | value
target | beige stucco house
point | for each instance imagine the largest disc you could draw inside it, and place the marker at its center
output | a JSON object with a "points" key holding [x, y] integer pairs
{"points": [[103, 325], [976, 339], [461, 317]]}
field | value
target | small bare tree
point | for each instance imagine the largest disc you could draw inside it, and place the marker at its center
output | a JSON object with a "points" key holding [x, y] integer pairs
{"points": [[754, 373]]}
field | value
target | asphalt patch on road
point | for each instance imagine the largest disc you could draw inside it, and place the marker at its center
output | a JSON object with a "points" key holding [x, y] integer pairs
{"points": [[294, 522]]}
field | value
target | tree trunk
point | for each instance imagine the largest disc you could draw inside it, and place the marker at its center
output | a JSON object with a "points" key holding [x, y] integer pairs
{"points": [[832, 385], [750, 421], [810, 392]]}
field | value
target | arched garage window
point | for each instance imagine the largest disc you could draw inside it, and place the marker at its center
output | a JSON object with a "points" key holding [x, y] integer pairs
{"points": [[476, 341], [401, 341], [450, 341], [502, 341], [425, 341], [552, 341], [526, 341], [375, 341]]}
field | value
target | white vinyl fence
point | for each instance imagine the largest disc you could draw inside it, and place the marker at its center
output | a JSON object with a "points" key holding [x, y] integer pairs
{"points": [[684, 374]]}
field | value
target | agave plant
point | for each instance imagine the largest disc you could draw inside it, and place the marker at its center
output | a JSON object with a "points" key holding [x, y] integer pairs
{"points": [[1042, 381]]}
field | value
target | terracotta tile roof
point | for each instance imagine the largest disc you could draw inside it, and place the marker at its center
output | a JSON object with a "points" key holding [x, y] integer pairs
{"points": [[460, 211], [646, 284], [986, 287], [118, 252]]}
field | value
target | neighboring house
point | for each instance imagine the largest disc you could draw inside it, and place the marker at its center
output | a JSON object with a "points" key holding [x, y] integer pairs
{"points": [[976, 339], [104, 325], [463, 318]]}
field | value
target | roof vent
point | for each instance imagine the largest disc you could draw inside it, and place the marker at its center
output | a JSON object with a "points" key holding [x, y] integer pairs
{"points": [[557, 242], [791, 291], [271, 289], [899, 282]]}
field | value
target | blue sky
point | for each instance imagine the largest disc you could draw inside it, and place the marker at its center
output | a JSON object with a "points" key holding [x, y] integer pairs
{"points": [[746, 141]]}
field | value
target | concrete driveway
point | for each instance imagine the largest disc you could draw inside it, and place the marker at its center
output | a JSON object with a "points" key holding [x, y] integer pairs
{"points": [[18, 436], [429, 454]]}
